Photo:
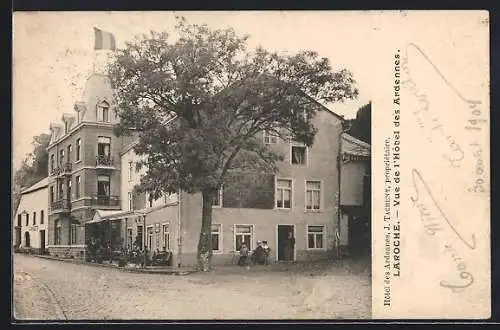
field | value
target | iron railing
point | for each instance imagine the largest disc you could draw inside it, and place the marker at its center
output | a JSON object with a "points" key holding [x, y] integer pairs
{"points": [[105, 200], [60, 205], [103, 160]]}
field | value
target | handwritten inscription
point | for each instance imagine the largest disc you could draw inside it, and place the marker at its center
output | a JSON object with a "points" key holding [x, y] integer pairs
{"points": [[435, 220], [436, 130], [464, 277], [441, 137], [479, 182]]}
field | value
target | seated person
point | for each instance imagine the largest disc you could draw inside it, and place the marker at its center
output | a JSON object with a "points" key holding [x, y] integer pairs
{"points": [[259, 256]]}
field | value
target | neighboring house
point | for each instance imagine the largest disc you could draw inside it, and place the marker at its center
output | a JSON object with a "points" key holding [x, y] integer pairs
{"points": [[30, 221], [84, 167], [355, 193], [302, 198]]}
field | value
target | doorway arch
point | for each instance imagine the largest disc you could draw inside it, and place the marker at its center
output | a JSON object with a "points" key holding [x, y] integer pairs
{"points": [[27, 239]]}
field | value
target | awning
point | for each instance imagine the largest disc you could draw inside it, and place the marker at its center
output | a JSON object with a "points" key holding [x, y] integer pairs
{"points": [[94, 221]]}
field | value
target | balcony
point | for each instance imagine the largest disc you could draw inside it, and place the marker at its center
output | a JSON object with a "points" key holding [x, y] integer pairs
{"points": [[104, 161], [105, 200], [59, 206], [62, 170]]}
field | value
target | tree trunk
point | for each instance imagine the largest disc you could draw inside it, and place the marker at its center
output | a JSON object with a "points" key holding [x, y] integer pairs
{"points": [[205, 241]]}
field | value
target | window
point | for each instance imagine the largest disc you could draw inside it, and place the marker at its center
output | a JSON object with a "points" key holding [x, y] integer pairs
{"points": [[78, 184], [269, 138], [57, 233], [103, 185], [129, 238], [138, 239], [166, 237], [216, 238], [61, 157], [19, 220], [78, 149], [130, 170], [41, 217], [103, 146], [70, 150], [130, 202], [315, 236], [66, 127], [103, 112], [69, 189], [299, 155], [313, 193], [283, 194], [73, 234], [34, 218], [217, 198], [61, 190], [27, 219], [52, 162], [243, 234], [51, 195], [150, 238]]}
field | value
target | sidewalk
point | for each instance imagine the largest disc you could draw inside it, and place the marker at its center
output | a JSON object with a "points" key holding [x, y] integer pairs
{"points": [[167, 270]]}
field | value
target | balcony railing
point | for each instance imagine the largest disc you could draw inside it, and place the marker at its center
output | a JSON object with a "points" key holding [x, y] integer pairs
{"points": [[105, 200], [103, 160], [64, 169], [60, 205]]}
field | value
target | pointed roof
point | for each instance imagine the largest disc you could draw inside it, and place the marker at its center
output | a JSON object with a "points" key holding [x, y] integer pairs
{"points": [[355, 147], [39, 185]]}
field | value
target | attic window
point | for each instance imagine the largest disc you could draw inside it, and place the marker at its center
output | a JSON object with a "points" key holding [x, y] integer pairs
{"points": [[299, 155], [66, 127], [103, 112]]}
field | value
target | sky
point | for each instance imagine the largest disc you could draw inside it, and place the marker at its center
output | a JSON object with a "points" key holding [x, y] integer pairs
{"points": [[53, 53]]}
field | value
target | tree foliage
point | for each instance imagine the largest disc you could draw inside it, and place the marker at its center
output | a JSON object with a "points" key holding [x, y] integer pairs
{"points": [[199, 103], [33, 168]]}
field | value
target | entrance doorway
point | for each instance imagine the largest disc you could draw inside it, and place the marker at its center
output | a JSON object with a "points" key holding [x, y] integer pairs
{"points": [[285, 246], [359, 238], [27, 239], [42, 240]]}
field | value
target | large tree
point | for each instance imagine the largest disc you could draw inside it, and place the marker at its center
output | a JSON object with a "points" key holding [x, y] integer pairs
{"points": [[199, 102], [33, 168]]}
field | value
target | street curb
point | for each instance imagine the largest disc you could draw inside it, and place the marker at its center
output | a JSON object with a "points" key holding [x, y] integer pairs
{"points": [[130, 270]]}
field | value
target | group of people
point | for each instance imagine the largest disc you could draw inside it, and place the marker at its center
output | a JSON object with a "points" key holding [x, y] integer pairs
{"points": [[259, 256]]}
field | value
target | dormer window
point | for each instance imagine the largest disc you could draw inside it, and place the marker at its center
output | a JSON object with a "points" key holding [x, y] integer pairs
{"points": [[66, 127], [103, 112]]}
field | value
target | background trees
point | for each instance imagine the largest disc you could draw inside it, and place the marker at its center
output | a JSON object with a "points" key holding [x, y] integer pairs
{"points": [[361, 125], [199, 103], [33, 168]]}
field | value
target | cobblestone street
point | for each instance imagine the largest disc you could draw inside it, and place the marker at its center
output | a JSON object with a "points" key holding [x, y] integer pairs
{"points": [[49, 289]]}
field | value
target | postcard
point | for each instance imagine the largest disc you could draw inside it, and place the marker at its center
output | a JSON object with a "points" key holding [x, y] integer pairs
{"points": [[255, 165]]}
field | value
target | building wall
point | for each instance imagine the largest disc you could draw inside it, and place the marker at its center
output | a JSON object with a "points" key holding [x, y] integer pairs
{"points": [[128, 182], [321, 165], [352, 184], [33, 202]]}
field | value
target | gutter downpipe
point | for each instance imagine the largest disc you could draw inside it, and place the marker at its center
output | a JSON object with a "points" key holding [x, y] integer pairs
{"points": [[339, 182]]}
